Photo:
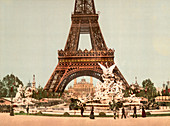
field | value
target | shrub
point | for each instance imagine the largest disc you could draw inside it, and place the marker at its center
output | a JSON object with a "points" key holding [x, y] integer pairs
{"points": [[148, 113], [66, 114], [21, 112], [102, 114], [39, 113]]}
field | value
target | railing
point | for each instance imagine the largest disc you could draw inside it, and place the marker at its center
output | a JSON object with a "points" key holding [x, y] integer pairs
{"points": [[87, 53]]}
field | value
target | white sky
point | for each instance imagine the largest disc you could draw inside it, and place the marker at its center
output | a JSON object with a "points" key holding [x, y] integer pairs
{"points": [[31, 32]]}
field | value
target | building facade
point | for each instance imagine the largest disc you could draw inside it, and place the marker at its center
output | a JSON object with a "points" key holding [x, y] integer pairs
{"points": [[81, 89]]}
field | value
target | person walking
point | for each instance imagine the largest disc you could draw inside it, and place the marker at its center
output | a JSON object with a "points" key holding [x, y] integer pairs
{"points": [[92, 113], [118, 111], [114, 113], [82, 110], [143, 112], [134, 113], [123, 113], [11, 110], [27, 109]]}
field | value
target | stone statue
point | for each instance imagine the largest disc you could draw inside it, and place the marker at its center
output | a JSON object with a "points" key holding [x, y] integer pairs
{"points": [[28, 92], [110, 88], [19, 100], [19, 94], [107, 72], [134, 99]]}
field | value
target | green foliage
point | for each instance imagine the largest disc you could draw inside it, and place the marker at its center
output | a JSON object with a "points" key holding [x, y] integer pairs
{"points": [[159, 93], [3, 90], [73, 105], [148, 113], [33, 94], [39, 113], [149, 89], [102, 114], [21, 112], [66, 114], [59, 115], [166, 91], [141, 94], [9, 82], [40, 93], [126, 92], [163, 94]]}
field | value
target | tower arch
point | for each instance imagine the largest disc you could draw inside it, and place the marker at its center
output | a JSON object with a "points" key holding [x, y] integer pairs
{"points": [[74, 62]]}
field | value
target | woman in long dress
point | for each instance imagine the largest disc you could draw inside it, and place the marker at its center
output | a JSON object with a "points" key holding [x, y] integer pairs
{"points": [[143, 112], [92, 113]]}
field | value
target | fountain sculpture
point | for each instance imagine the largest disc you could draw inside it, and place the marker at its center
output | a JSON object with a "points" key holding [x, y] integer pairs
{"points": [[110, 89], [19, 100]]}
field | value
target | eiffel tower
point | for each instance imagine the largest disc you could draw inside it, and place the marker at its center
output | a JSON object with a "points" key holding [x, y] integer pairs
{"points": [[74, 62]]}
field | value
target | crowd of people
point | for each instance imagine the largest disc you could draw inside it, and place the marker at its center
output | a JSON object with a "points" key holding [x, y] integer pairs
{"points": [[6, 108], [124, 113], [116, 112]]}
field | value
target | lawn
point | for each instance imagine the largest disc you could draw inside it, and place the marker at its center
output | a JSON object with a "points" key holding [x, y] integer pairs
{"points": [[61, 115]]}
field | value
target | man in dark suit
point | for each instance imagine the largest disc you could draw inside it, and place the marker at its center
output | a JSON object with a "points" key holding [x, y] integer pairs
{"points": [[134, 114], [123, 113]]}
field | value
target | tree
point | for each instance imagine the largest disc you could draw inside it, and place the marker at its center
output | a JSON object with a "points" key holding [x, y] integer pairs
{"points": [[9, 85], [141, 93], [163, 93], [159, 93], [74, 104], [40, 92], [3, 90], [34, 94], [150, 90], [166, 91], [44, 94], [126, 92]]}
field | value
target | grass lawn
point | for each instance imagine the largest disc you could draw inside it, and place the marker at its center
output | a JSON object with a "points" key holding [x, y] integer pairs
{"points": [[154, 115], [59, 115]]}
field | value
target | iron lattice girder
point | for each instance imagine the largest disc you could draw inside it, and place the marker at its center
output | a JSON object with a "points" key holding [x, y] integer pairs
{"points": [[85, 24], [84, 71], [84, 7], [80, 63], [76, 60], [73, 63], [59, 81]]}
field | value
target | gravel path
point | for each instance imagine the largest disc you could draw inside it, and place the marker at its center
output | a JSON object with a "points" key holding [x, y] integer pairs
{"points": [[21, 120]]}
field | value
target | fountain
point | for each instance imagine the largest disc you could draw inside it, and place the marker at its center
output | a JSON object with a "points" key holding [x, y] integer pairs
{"points": [[110, 90], [19, 100]]}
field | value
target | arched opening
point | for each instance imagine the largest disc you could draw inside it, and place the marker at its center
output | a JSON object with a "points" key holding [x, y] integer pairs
{"points": [[79, 79], [81, 87], [61, 87]]}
